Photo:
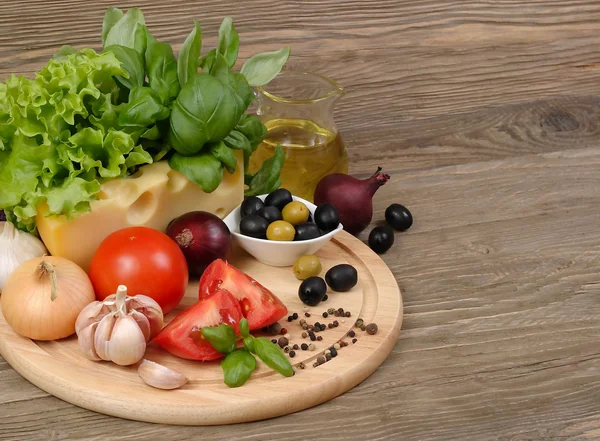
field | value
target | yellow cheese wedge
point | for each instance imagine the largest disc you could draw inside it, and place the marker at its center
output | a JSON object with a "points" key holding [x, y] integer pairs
{"points": [[152, 197]]}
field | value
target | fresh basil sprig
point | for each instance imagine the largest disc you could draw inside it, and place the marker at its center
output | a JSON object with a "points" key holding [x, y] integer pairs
{"points": [[239, 364]]}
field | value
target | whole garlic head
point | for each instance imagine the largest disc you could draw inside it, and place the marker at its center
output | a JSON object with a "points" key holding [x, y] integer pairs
{"points": [[118, 328]]}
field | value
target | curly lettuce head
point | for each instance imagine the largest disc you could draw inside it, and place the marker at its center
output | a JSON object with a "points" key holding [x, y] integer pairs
{"points": [[56, 137]]}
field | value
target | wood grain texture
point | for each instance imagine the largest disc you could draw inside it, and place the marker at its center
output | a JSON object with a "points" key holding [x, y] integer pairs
{"points": [[60, 368], [486, 115]]}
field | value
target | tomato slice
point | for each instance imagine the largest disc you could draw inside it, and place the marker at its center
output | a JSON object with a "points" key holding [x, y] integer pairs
{"points": [[259, 305], [183, 336]]}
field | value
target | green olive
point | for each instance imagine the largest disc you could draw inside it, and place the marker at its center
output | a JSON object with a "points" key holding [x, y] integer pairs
{"points": [[295, 213], [307, 266], [281, 230]]}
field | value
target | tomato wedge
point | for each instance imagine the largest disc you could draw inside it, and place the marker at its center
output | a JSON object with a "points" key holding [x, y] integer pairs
{"points": [[183, 336], [259, 305]]}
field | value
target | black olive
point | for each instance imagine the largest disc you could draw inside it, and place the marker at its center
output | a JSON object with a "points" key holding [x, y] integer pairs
{"points": [[271, 214], [279, 198], [312, 291], [398, 217], [251, 205], [342, 277], [327, 217], [254, 226], [307, 231], [381, 239]]}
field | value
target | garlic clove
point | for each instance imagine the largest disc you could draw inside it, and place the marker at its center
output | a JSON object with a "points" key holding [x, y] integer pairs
{"points": [[155, 318], [141, 301], [90, 314], [159, 376], [103, 335], [142, 322], [151, 309], [127, 344], [86, 342]]}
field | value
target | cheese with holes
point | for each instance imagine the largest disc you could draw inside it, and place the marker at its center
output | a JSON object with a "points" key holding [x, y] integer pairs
{"points": [[152, 197]]}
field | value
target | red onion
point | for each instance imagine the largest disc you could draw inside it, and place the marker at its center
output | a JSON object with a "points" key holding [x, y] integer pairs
{"points": [[203, 238], [352, 197]]}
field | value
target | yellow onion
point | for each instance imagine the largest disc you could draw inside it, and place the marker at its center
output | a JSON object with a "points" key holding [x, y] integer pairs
{"points": [[43, 297]]}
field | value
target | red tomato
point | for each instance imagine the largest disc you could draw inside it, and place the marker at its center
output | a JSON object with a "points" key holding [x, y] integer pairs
{"points": [[143, 259], [259, 305], [183, 336]]}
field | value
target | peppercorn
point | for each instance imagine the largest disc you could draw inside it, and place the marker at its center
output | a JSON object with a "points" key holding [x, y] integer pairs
{"points": [[319, 338], [330, 325], [317, 325], [343, 344], [336, 323], [304, 335], [325, 315], [295, 316], [351, 333], [292, 354], [331, 311], [337, 346], [315, 364], [283, 342], [348, 314], [302, 366], [274, 329], [290, 318], [323, 327], [320, 359], [325, 297], [333, 352], [363, 327], [296, 347], [274, 341], [341, 311], [286, 349], [304, 347], [372, 329], [359, 323], [307, 314], [283, 331], [302, 322], [354, 340], [326, 351], [328, 357], [311, 347], [305, 326], [336, 314], [312, 336]]}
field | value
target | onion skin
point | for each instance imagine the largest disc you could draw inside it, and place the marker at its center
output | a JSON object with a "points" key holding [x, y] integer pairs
{"points": [[203, 238], [26, 300], [352, 197]]}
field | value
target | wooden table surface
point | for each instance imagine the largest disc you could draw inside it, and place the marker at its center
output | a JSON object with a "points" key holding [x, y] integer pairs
{"points": [[486, 114]]}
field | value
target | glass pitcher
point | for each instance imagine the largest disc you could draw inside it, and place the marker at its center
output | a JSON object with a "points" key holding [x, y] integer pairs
{"points": [[297, 109]]}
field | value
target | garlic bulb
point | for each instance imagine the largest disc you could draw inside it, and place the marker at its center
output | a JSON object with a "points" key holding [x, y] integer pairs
{"points": [[118, 328], [16, 247]]}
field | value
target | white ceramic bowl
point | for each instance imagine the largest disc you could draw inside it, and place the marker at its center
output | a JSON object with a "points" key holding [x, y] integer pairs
{"points": [[277, 253]]}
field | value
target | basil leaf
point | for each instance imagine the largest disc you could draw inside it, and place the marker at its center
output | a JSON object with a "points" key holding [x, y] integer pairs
{"points": [[223, 337], [262, 68], [207, 61], [220, 69], [111, 17], [129, 31], [239, 83], [267, 178], [161, 65], [132, 62], [143, 109], [225, 155], [253, 129], [238, 367], [244, 329], [205, 110], [273, 356], [237, 141], [229, 41], [204, 169], [187, 65], [248, 178]]}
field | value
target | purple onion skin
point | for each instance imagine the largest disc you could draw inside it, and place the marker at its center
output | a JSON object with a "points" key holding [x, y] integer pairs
{"points": [[352, 197], [203, 238]]}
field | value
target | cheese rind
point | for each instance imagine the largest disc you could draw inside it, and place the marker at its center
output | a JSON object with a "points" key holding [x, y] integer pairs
{"points": [[152, 197]]}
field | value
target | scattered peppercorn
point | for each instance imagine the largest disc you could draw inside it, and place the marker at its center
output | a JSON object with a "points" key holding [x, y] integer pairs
{"points": [[307, 314], [354, 340], [337, 346], [323, 327], [336, 323], [286, 349], [351, 333], [359, 323], [341, 311], [283, 331], [302, 322], [319, 338], [296, 347], [290, 318], [312, 336], [328, 357], [302, 366], [325, 315], [325, 298], [274, 341], [304, 346], [327, 351], [372, 329], [304, 335], [283, 342], [295, 316], [363, 327], [348, 314], [320, 359], [274, 329], [343, 344], [311, 347], [292, 354], [333, 352], [305, 326], [315, 364], [330, 325], [331, 311]]}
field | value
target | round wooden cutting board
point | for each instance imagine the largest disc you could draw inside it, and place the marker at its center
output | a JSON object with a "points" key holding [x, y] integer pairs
{"points": [[59, 368]]}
